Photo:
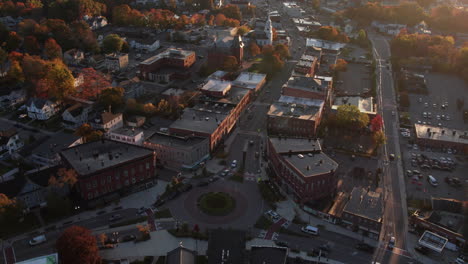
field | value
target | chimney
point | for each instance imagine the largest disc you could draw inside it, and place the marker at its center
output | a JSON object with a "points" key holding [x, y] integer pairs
{"points": [[443, 132], [454, 133], [290, 153], [308, 167]]}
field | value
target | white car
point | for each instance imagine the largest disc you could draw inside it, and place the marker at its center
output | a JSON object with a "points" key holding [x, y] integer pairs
{"points": [[234, 163]]}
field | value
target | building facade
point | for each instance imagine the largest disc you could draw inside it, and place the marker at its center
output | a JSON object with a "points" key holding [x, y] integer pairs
{"points": [[177, 59]]}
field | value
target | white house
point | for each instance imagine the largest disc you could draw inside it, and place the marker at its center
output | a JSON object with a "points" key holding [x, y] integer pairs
{"points": [[75, 116], [73, 57], [10, 141], [95, 22], [12, 97], [127, 135], [41, 109], [145, 47], [107, 121]]}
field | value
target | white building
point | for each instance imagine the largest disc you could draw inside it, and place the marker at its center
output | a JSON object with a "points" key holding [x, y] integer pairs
{"points": [[41, 109], [10, 141], [293, 9], [107, 121], [75, 116], [151, 47], [250, 80], [127, 135]]}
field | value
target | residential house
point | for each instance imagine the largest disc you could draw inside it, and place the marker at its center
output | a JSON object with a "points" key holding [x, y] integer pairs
{"points": [[11, 97], [73, 57], [151, 46], [10, 142], [135, 121], [95, 22], [41, 109], [75, 116], [181, 255], [106, 121], [47, 152], [127, 135], [116, 62]]}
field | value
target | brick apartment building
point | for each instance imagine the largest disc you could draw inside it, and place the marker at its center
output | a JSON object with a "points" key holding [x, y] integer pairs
{"points": [[215, 116], [307, 65], [107, 169], [295, 117], [442, 138], [301, 168], [308, 87], [167, 65]]}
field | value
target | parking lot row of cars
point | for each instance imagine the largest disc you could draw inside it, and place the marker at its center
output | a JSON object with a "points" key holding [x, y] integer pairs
{"points": [[424, 162]]}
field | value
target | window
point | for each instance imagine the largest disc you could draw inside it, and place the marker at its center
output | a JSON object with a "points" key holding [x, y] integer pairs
{"points": [[133, 171], [88, 186], [117, 175], [133, 180], [94, 183], [109, 179], [103, 181], [147, 165], [141, 167], [90, 195], [125, 173], [126, 183]]}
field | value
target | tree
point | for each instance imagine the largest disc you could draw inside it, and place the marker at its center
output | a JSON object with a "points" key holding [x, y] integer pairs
{"points": [[242, 30], [112, 43], [230, 64], [63, 177], [231, 11], [204, 4], [15, 73], [219, 20], [93, 84], [52, 50], [316, 4], [282, 50], [112, 97], [254, 49], [88, 133], [10, 210], [60, 80], [340, 65], [58, 205], [31, 45], [77, 245], [349, 116], [13, 41], [376, 123], [3, 58], [379, 138]]}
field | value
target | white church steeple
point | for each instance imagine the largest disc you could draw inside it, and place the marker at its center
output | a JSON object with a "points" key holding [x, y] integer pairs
{"points": [[269, 30]]}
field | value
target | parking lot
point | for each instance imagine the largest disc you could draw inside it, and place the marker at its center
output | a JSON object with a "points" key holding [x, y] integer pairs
{"points": [[440, 105], [355, 81], [436, 164]]}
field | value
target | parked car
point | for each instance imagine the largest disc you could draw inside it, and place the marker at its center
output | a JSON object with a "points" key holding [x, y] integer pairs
{"points": [[310, 230], [234, 163], [37, 240], [365, 247], [224, 173], [141, 210], [273, 215], [325, 247], [159, 202], [115, 217], [391, 243], [282, 243], [128, 238]]}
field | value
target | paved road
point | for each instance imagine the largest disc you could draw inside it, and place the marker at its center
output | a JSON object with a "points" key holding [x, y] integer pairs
{"points": [[395, 215]]}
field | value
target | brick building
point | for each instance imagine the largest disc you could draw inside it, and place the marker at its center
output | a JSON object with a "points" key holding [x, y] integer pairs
{"points": [[441, 138], [295, 117], [306, 66], [364, 211], [308, 87], [107, 169], [214, 117], [301, 168], [224, 47], [167, 65]]}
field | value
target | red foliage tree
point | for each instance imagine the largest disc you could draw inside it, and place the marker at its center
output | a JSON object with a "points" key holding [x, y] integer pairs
{"points": [[77, 245], [93, 83], [376, 123], [52, 50]]}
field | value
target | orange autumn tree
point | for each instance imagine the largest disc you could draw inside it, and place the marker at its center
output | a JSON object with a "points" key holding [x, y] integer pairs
{"points": [[92, 85]]}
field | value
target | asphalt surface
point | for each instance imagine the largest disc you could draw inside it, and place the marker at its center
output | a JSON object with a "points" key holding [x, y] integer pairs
{"points": [[395, 222]]}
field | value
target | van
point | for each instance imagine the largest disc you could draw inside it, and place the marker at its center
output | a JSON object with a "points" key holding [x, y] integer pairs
{"points": [[310, 230], [37, 240], [391, 243], [432, 180]]}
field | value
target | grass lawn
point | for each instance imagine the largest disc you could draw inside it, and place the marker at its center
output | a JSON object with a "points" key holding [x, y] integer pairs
{"points": [[166, 213], [216, 203], [263, 223]]}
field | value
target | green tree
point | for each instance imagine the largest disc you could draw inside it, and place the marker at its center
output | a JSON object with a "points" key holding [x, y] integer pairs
{"points": [[60, 80], [13, 41], [242, 30], [230, 64], [112, 97], [379, 138], [349, 116], [88, 133], [112, 43], [15, 73]]}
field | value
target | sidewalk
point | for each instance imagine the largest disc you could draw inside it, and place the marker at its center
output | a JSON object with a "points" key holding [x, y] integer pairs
{"points": [[160, 243], [289, 209]]}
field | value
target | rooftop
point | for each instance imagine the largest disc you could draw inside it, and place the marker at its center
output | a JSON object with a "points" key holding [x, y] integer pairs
{"points": [[311, 163], [365, 105], [181, 255], [296, 145], [217, 86], [175, 141], [169, 53], [249, 80], [293, 107], [100, 155], [217, 75], [268, 255], [173, 92], [433, 241], [226, 246], [324, 44], [307, 84], [53, 145], [127, 131], [232, 97], [441, 134], [48, 259], [365, 203], [200, 119]]}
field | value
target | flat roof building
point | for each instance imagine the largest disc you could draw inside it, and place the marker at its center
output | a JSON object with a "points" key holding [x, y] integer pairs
{"points": [[442, 137], [365, 105], [307, 87], [300, 167], [217, 88], [250, 80]]}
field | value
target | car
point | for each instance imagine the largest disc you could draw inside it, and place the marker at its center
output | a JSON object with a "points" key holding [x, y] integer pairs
{"points": [[282, 243], [420, 100], [392, 156], [128, 238], [434, 105], [409, 173], [365, 247], [37, 240], [426, 105], [325, 247], [416, 172], [251, 142], [225, 173], [391, 243], [393, 113], [115, 217], [438, 117], [234, 163], [273, 215], [422, 250], [213, 179]]}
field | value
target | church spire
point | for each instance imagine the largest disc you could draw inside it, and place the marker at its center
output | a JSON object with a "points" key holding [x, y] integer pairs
{"points": [[269, 29]]}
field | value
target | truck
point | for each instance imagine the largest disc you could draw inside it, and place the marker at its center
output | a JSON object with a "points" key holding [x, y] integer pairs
{"points": [[37, 240]]}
